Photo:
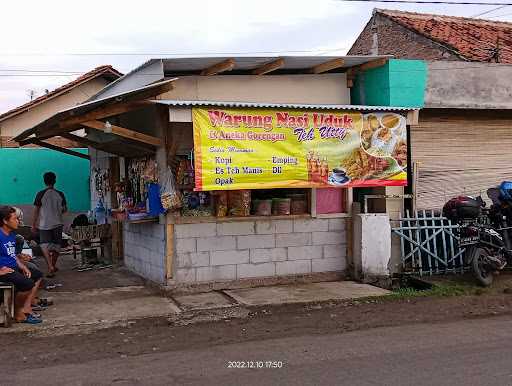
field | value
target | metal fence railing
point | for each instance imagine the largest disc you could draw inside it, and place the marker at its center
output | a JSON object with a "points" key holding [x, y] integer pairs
{"points": [[429, 244]]}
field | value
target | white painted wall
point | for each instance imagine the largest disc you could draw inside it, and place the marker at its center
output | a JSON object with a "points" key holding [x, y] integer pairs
{"points": [[372, 245], [309, 89]]}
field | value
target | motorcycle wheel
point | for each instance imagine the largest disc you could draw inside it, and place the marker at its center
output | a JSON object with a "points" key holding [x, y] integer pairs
{"points": [[484, 276]]}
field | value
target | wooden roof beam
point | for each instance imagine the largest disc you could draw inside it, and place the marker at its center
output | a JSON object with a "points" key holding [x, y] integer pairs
{"points": [[269, 67], [106, 147], [38, 142], [57, 132], [26, 141], [74, 123], [352, 71], [226, 65], [81, 140], [327, 66], [373, 64], [105, 112], [125, 133], [136, 98]]}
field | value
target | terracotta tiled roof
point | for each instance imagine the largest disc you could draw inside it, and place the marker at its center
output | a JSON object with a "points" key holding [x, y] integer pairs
{"points": [[472, 39], [102, 71]]}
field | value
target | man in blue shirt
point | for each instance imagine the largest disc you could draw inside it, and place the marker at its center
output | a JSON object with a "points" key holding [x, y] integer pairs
{"points": [[12, 270]]}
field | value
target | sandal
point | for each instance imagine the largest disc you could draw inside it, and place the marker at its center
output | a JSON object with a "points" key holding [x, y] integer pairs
{"points": [[52, 286], [38, 308], [30, 319], [84, 269], [35, 315], [43, 302]]}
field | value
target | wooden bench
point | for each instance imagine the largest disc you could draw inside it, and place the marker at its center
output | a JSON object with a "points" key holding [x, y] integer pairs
{"points": [[6, 304]]}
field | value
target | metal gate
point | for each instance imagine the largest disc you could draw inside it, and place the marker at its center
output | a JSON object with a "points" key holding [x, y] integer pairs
{"points": [[429, 244]]}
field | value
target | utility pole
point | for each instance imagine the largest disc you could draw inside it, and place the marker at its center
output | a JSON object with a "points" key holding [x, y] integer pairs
{"points": [[497, 57], [31, 93]]}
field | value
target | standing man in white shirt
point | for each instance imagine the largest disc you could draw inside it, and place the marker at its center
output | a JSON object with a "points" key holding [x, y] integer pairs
{"points": [[50, 205]]}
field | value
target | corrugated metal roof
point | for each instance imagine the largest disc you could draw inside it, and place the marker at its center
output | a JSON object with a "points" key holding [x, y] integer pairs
{"points": [[185, 65], [181, 103], [248, 63]]}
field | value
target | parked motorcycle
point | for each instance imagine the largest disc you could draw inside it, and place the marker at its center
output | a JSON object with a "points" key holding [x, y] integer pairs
{"points": [[484, 232]]}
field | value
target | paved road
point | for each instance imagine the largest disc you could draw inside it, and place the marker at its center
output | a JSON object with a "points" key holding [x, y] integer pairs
{"points": [[475, 352]]}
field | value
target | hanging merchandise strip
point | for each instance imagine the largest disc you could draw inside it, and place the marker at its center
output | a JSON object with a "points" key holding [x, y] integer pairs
{"points": [[140, 173], [101, 180]]}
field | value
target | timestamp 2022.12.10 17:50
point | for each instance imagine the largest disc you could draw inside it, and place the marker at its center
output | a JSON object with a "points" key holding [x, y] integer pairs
{"points": [[254, 364]]}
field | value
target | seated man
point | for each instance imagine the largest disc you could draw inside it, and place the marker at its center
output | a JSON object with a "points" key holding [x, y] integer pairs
{"points": [[38, 304], [12, 270]]}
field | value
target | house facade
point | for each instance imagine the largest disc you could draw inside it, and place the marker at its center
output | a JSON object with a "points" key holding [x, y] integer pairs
{"points": [[461, 141], [264, 198], [22, 169], [410, 35]]}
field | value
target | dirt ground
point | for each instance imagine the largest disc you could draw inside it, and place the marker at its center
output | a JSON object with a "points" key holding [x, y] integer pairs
{"points": [[69, 279], [161, 334], [242, 324]]}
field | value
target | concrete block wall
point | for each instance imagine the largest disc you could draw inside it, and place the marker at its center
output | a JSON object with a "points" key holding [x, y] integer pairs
{"points": [[145, 249], [209, 252]]}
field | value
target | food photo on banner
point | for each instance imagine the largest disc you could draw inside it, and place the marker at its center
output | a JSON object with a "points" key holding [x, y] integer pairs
{"points": [[262, 148]]}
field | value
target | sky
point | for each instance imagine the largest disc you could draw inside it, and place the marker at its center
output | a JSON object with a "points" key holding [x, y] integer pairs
{"points": [[44, 44]]}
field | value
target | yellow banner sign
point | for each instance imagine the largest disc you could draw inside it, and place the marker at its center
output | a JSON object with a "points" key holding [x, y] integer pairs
{"points": [[262, 148]]}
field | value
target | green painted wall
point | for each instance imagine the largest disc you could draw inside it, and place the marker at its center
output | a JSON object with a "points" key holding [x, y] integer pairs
{"points": [[21, 176], [399, 83]]}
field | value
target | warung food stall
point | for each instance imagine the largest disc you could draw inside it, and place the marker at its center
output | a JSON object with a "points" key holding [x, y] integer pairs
{"points": [[240, 177], [266, 190]]}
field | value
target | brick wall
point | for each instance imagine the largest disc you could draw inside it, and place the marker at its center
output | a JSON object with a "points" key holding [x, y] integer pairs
{"points": [[363, 43], [402, 43], [144, 250], [209, 252]]}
